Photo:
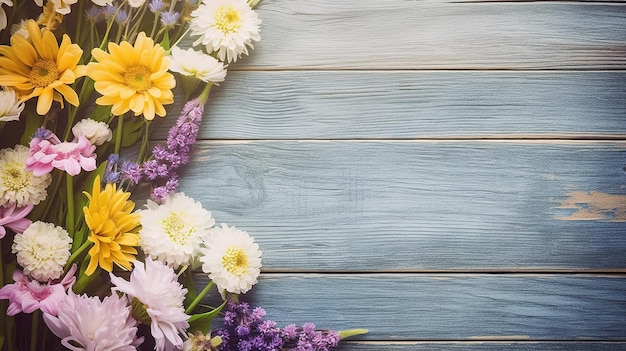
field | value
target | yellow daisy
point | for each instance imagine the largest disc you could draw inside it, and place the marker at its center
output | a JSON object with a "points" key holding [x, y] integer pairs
{"points": [[133, 77], [113, 228], [39, 67]]}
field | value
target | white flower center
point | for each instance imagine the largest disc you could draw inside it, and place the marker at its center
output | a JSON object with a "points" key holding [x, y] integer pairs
{"points": [[177, 228], [227, 19], [15, 177], [41, 253], [235, 261]]}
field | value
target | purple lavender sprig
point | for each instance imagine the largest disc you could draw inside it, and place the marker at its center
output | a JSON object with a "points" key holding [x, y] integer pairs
{"points": [[246, 330], [162, 170]]}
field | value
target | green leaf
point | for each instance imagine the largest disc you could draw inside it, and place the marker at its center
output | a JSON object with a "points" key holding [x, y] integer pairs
{"points": [[132, 130], [202, 321], [351, 332], [32, 124], [165, 43], [101, 113]]}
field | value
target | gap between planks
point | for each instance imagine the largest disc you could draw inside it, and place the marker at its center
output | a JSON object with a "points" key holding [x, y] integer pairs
{"points": [[431, 68], [495, 138], [583, 273]]}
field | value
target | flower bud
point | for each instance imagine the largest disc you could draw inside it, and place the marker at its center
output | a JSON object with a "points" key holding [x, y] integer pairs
{"points": [[96, 132]]}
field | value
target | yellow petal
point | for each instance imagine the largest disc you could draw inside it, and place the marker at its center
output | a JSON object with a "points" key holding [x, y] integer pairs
{"points": [[69, 94], [45, 101]]}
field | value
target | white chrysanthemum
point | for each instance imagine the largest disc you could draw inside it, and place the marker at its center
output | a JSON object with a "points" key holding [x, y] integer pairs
{"points": [[3, 15], [42, 250], [86, 323], [103, 2], [136, 3], [60, 6], [173, 232], [17, 185], [10, 105], [197, 64], [156, 286], [97, 132], [232, 259], [227, 27], [20, 29]]}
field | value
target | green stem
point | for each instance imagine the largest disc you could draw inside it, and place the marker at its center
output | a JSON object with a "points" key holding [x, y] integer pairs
{"points": [[4, 333], [204, 95], [34, 326], [77, 253], [69, 216], [79, 25], [1, 266], [118, 135], [198, 298], [144, 143], [55, 189], [109, 26]]}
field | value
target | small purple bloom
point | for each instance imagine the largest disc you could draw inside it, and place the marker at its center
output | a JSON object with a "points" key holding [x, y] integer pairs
{"points": [[121, 17], [131, 172], [169, 19], [156, 6], [94, 14]]}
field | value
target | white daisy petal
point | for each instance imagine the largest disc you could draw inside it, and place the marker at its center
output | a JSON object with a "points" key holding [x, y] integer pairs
{"points": [[173, 232], [17, 185], [197, 64], [225, 26], [10, 105], [232, 259]]}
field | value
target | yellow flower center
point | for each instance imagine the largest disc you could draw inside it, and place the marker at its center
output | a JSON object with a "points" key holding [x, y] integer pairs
{"points": [[43, 73], [15, 178], [227, 19], [175, 225], [138, 78], [235, 261]]}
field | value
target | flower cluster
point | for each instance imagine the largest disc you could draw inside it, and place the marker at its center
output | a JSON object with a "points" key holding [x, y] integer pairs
{"points": [[80, 83], [246, 329]]}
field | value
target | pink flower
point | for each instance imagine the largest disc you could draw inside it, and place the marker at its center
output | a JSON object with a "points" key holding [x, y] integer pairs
{"points": [[87, 323], [48, 152], [14, 218], [27, 295]]}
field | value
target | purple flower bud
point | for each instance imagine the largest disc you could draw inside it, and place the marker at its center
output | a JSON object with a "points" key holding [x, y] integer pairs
{"points": [[43, 133]]}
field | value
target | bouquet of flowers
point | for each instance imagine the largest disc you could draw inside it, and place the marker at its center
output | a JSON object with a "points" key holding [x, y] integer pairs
{"points": [[82, 84]]}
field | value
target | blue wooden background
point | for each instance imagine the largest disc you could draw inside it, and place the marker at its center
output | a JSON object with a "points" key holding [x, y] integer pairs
{"points": [[450, 175]]}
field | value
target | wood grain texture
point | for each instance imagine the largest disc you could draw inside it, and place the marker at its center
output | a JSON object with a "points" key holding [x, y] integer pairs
{"points": [[332, 145], [434, 34], [428, 307], [407, 104], [481, 346], [415, 206]]}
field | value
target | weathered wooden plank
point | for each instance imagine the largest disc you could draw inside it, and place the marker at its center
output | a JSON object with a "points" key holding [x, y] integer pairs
{"points": [[428, 307], [409, 104], [481, 346], [419, 206], [396, 34]]}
